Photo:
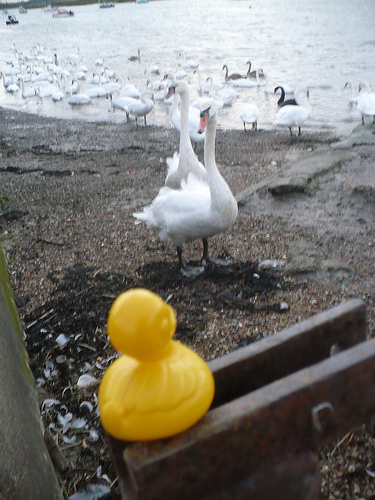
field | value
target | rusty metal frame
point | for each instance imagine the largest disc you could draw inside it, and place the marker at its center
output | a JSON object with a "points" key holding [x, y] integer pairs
{"points": [[277, 401]]}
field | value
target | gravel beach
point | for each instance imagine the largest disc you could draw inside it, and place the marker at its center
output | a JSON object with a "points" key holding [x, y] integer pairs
{"points": [[303, 242]]}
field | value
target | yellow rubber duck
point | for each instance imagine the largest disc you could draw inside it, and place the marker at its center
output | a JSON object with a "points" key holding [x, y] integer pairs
{"points": [[158, 387]]}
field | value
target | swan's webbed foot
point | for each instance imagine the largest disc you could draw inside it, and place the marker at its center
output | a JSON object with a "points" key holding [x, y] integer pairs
{"points": [[206, 259], [191, 271], [188, 271]]}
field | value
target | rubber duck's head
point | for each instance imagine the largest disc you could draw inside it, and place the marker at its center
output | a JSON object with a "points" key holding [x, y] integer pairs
{"points": [[140, 324]]}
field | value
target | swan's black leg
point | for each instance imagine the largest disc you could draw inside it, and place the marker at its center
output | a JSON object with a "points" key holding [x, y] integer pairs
{"points": [[299, 131], [206, 259], [205, 256], [290, 130]]}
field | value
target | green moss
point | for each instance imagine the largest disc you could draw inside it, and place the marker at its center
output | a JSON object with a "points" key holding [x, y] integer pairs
{"points": [[12, 308], [3, 202]]}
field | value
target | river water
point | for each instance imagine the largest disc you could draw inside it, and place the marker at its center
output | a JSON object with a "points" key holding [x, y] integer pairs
{"points": [[321, 44]]}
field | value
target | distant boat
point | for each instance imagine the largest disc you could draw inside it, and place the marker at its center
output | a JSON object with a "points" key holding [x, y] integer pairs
{"points": [[11, 20], [106, 5], [49, 8], [22, 10], [141, 1], [63, 13]]}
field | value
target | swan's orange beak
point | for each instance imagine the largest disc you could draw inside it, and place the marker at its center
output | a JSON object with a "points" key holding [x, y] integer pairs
{"points": [[171, 91], [203, 122]]}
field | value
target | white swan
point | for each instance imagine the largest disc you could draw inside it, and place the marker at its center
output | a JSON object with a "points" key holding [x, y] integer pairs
{"points": [[198, 210], [118, 102], [188, 64], [80, 98], [249, 113], [229, 96], [156, 84], [295, 116], [30, 92], [186, 161], [205, 89], [175, 115], [10, 86], [73, 56], [129, 90], [112, 86], [154, 69], [97, 90], [58, 68], [366, 101], [57, 95], [69, 87], [353, 99], [6, 82], [80, 75], [142, 106], [219, 101], [47, 90]]}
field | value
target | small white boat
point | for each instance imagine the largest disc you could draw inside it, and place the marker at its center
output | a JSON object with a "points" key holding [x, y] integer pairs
{"points": [[49, 9], [11, 20], [63, 13], [22, 10], [106, 5]]}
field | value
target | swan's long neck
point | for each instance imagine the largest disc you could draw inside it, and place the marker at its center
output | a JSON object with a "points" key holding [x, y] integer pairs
{"points": [[174, 106], [222, 200], [184, 119], [209, 146], [216, 182], [282, 97], [200, 91], [211, 82]]}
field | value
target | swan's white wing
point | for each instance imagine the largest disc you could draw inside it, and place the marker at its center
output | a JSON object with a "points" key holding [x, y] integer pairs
{"points": [[292, 115], [366, 103], [250, 113], [172, 163]]}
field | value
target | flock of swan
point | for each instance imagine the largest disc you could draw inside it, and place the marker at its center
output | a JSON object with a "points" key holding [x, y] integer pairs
{"points": [[42, 74]]}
